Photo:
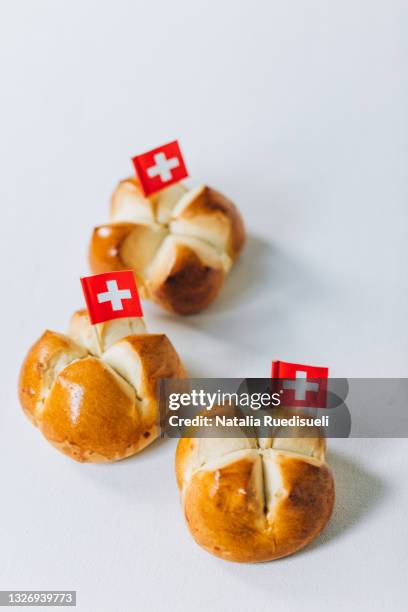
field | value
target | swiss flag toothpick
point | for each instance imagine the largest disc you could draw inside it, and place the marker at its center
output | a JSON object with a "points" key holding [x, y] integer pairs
{"points": [[111, 295], [301, 385], [160, 167]]}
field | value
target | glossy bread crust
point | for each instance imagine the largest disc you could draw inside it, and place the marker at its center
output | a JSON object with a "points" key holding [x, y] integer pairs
{"points": [[180, 244], [254, 503], [186, 285], [94, 398]]}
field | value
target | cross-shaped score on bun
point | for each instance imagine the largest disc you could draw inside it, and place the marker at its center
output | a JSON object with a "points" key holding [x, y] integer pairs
{"points": [[254, 499], [180, 243], [93, 395]]}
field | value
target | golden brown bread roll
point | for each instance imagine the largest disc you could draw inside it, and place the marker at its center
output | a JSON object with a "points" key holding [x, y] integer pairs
{"points": [[251, 500], [179, 243], [94, 396]]}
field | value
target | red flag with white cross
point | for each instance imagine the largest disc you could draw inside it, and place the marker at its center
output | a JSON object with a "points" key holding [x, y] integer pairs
{"points": [[300, 385], [111, 295], [160, 167]]}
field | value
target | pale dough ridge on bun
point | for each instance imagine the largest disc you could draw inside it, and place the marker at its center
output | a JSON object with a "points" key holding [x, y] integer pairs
{"points": [[180, 243], [94, 396], [251, 500]]}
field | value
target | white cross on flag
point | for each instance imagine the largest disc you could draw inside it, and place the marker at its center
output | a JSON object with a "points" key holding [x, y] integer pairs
{"points": [[111, 295], [300, 385], [160, 167]]}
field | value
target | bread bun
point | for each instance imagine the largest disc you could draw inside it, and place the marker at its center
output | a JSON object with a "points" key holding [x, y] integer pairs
{"points": [[251, 500], [179, 243], [93, 396]]}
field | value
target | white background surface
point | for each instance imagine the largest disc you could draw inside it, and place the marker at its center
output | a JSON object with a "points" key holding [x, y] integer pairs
{"points": [[297, 111]]}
